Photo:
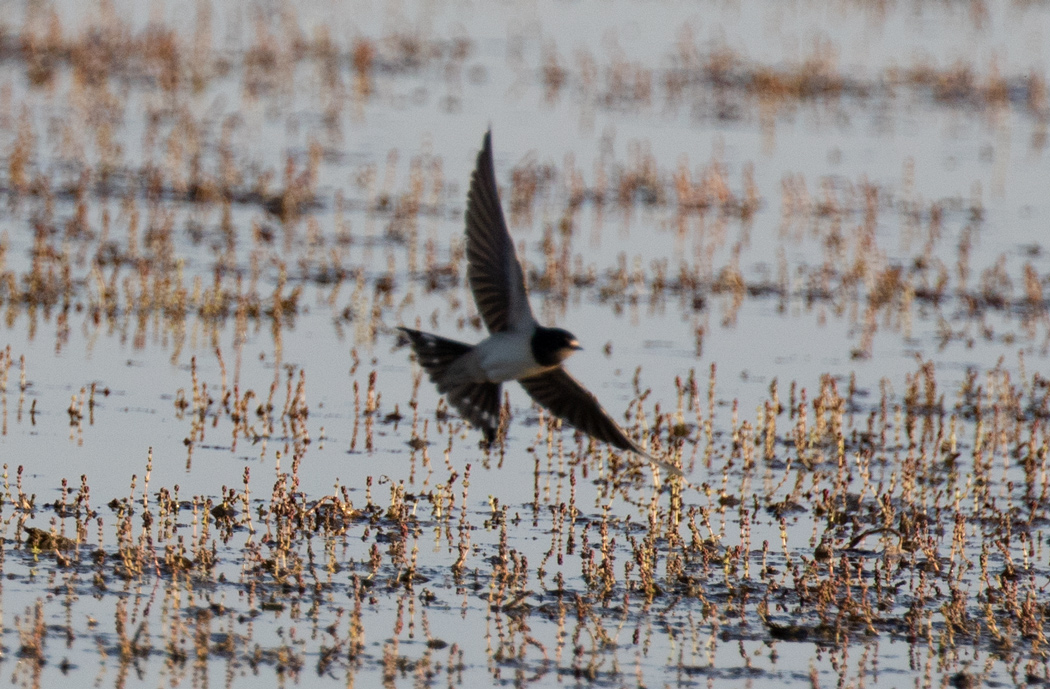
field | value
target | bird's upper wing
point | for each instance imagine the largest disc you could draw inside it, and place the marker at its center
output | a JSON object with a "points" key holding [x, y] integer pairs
{"points": [[568, 400], [492, 264]]}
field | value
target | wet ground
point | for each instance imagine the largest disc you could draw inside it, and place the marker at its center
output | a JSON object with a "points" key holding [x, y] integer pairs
{"points": [[801, 243]]}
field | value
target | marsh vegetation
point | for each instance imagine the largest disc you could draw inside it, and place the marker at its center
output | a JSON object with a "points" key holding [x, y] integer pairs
{"points": [[819, 287]]}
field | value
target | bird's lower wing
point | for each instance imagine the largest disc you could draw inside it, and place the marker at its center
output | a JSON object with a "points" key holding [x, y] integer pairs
{"points": [[476, 402], [564, 397]]}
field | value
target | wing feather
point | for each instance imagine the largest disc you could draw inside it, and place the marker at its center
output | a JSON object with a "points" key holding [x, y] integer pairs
{"points": [[477, 402], [495, 274], [564, 397]]}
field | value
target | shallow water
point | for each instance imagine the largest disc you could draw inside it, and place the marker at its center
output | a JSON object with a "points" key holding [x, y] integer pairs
{"points": [[836, 208]]}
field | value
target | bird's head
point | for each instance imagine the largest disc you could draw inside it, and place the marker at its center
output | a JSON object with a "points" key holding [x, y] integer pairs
{"points": [[551, 346]]}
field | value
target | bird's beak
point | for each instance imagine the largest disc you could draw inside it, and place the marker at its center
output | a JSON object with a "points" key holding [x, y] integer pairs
{"points": [[575, 345]]}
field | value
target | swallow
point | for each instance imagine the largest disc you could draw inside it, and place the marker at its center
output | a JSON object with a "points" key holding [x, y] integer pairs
{"points": [[518, 347]]}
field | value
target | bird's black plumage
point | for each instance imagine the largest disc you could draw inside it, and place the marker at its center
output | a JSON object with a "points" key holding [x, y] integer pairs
{"points": [[551, 346]]}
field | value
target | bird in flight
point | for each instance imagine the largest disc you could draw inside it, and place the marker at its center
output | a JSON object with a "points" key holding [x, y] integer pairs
{"points": [[517, 348]]}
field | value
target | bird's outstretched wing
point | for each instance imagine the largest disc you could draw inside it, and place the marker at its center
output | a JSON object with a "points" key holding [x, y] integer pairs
{"points": [[563, 395], [493, 269], [477, 402]]}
